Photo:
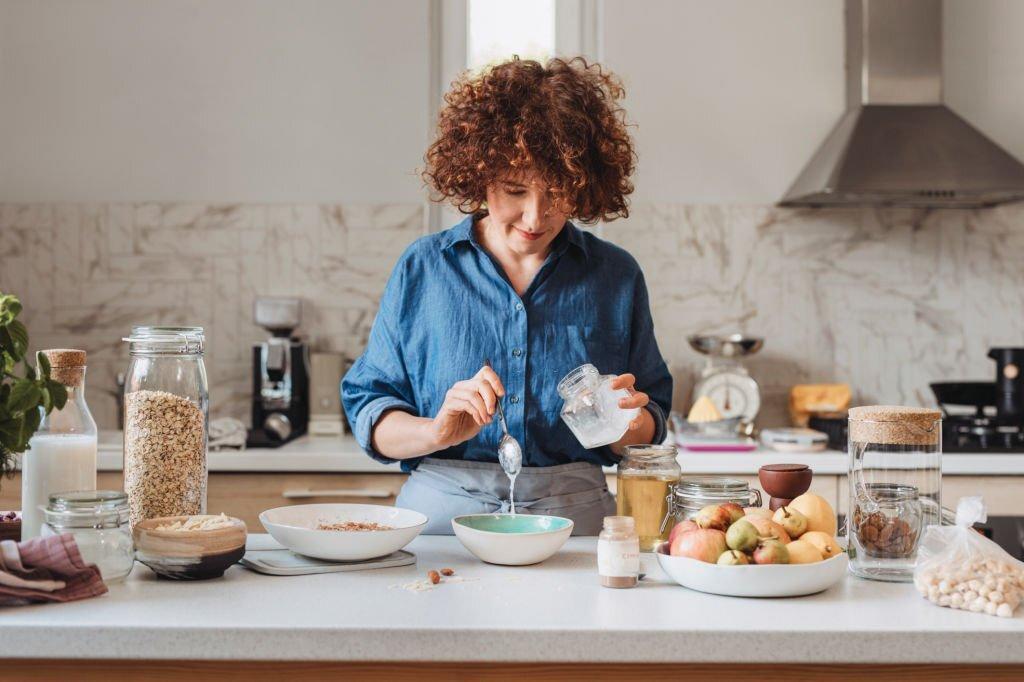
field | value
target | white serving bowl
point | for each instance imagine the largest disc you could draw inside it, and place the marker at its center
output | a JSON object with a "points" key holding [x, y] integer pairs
{"points": [[295, 528], [776, 580], [512, 539]]}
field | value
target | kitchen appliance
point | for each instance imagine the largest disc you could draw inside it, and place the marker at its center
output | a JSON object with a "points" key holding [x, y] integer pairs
{"points": [[325, 414], [724, 379], [898, 143], [981, 416], [280, 400]]}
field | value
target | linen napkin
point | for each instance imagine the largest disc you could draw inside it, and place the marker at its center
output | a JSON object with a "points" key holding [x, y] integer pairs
{"points": [[46, 569]]}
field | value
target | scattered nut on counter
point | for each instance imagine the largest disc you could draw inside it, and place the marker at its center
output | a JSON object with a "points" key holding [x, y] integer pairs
{"points": [[992, 587]]}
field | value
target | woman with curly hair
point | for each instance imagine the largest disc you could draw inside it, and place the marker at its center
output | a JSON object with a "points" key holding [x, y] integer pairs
{"points": [[522, 149]]}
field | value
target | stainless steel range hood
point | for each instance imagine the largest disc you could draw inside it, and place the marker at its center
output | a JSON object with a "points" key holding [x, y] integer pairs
{"points": [[898, 144]]}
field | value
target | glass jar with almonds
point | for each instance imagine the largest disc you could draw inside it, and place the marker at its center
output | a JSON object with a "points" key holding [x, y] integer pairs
{"points": [[166, 403], [895, 487]]}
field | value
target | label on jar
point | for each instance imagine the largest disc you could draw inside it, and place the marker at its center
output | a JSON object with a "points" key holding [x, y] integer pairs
{"points": [[618, 558]]}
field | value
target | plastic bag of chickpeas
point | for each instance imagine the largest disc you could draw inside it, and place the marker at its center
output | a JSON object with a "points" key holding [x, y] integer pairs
{"points": [[959, 568]]}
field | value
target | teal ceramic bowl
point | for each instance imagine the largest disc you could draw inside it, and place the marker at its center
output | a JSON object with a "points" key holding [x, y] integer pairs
{"points": [[512, 540]]}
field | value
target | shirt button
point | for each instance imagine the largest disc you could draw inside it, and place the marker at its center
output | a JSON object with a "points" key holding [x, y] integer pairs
{"points": [[519, 306], [517, 352], [513, 399]]}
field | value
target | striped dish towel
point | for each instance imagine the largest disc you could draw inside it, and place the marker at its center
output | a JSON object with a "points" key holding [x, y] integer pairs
{"points": [[46, 569]]}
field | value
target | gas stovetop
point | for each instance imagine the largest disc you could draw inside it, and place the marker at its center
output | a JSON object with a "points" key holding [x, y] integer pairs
{"points": [[981, 434]]}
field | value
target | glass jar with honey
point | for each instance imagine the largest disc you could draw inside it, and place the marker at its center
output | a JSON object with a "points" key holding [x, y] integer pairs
{"points": [[646, 475]]}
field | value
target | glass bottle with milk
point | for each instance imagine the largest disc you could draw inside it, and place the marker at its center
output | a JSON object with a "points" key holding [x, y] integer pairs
{"points": [[62, 453]]}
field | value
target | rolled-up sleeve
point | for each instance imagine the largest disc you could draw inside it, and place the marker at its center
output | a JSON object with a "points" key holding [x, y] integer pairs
{"points": [[378, 381], [646, 363]]}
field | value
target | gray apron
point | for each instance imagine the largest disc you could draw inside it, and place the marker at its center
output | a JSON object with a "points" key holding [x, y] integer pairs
{"points": [[445, 488]]}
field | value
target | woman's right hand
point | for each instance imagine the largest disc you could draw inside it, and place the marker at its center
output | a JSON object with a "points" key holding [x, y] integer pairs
{"points": [[467, 407]]}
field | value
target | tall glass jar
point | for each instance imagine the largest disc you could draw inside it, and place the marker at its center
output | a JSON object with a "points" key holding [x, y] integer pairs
{"points": [[591, 407], [692, 494], [62, 453], [166, 404], [98, 520], [646, 474], [895, 487]]}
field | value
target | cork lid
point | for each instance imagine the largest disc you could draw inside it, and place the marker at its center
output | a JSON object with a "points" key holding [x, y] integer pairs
{"points": [[67, 365], [895, 425]]}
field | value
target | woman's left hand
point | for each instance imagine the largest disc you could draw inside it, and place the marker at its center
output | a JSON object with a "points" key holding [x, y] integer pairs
{"points": [[636, 398]]}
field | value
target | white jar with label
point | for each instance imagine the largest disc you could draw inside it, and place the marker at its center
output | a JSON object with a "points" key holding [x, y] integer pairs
{"points": [[618, 552]]}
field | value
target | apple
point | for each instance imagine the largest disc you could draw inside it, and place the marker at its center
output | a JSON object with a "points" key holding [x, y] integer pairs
{"points": [[713, 516], [703, 544], [681, 527], [771, 552]]}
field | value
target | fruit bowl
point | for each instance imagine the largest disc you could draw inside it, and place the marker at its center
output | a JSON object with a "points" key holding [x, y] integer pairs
{"points": [[778, 580]]}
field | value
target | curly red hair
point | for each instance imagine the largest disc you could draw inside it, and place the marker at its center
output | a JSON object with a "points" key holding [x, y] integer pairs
{"points": [[561, 120]]}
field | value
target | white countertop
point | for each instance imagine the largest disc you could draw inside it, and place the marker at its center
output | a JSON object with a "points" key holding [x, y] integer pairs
{"points": [[341, 454], [555, 611]]}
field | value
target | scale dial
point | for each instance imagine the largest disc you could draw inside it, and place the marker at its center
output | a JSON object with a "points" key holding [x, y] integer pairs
{"points": [[733, 392]]}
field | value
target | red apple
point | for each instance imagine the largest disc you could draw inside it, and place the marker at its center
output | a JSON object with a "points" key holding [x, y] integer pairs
{"points": [[681, 527], [703, 544], [713, 516], [736, 512]]}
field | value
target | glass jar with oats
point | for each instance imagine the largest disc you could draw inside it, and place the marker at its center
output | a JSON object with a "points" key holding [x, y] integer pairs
{"points": [[646, 475], [166, 404]]}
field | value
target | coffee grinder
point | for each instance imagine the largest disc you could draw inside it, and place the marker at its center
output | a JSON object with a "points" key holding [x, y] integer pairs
{"points": [[280, 399]]}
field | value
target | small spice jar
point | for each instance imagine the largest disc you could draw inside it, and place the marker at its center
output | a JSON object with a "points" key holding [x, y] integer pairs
{"points": [[618, 552], [98, 520], [692, 494]]}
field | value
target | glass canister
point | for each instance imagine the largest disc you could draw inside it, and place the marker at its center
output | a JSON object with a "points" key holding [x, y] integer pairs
{"points": [[166, 404], [645, 476], [591, 407], [895, 487], [692, 494], [62, 452], [98, 520]]}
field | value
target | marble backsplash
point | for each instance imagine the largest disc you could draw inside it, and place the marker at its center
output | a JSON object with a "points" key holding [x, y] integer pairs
{"points": [[887, 300]]}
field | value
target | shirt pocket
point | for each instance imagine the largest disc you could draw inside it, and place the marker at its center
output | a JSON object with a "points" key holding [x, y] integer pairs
{"points": [[569, 346]]}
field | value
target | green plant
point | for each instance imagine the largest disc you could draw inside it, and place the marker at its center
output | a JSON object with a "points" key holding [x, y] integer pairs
{"points": [[21, 396]]}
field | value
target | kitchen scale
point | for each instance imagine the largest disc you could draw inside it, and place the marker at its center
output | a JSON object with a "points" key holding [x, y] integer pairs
{"points": [[724, 380]]}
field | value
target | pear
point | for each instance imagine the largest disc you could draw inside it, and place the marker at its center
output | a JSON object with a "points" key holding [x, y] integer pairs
{"points": [[733, 558], [793, 521], [742, 535]]}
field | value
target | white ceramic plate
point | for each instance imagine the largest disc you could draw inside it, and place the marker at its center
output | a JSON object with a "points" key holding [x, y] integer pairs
{"points": [[791, 580], [295, 528]]}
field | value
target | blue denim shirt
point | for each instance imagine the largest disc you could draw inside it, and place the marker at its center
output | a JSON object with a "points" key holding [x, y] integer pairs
{"points": [[448, 305]]}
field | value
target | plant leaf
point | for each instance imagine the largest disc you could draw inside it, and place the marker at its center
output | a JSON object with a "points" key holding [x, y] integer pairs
{"points": [[19, 336], [58, 394], [30, 372], [10, 433], [24, 396], [31, 423], [44, 364], [47, 400]]}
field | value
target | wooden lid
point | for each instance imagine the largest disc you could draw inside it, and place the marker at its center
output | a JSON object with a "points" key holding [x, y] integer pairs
{"points": [[895, 425], [67, 365]]}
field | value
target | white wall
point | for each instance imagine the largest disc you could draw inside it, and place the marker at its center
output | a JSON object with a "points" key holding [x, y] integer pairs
{"points": [[731, 97], [223, 100], [983, 62]]}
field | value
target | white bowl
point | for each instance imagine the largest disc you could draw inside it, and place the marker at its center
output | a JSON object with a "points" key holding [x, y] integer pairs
{"points": [[295, 528], [776, 580], [512, 539]]}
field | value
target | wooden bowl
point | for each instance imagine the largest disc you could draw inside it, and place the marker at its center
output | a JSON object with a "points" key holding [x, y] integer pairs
{"points": [[190, 554]]}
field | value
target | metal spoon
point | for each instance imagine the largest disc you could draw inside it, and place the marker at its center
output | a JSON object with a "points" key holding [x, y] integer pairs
{"points": [[510, 453]]}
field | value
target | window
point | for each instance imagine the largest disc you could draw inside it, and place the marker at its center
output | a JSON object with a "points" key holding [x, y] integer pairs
{"points": [[498, 29]]}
